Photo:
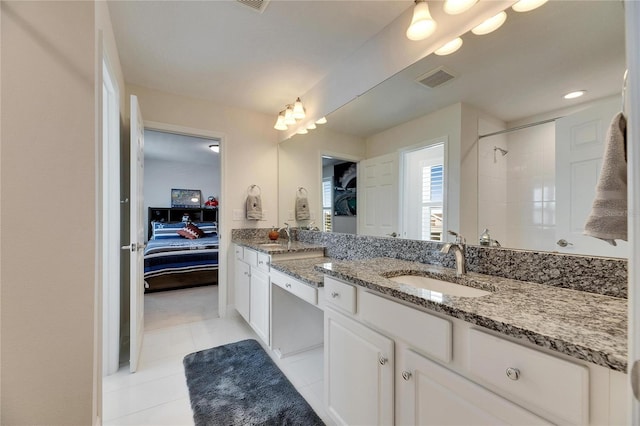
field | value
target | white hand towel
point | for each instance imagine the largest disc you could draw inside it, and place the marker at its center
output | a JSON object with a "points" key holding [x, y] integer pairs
{"points": [[608, 218], [254, 207], [302, 209]]}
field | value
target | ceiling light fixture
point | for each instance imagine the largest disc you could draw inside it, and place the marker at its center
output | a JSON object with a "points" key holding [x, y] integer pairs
{"points": [[527, 5], [450, 47], [455, 7], [576, 94], [311, 125], [322, 120], [298, 110], [289, 119], [280, 125], [302, 131], [490, 24], [215, 148], [422, 24]]}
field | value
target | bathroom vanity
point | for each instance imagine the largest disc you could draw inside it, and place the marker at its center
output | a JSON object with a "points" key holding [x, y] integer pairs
{"points": [[398, 349]]}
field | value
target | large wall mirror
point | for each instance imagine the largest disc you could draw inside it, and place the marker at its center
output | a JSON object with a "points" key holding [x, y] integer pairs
{"points": [[528, 187]]}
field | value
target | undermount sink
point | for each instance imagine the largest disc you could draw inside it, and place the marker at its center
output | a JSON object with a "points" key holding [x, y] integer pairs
{"points": [[439, 286]]}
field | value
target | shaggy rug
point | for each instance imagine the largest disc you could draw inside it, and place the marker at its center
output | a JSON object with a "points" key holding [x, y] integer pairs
{"points": [[238, 384]]}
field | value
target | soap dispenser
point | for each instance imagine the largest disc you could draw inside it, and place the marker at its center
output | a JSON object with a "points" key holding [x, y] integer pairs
{"points": [[485, 238]]}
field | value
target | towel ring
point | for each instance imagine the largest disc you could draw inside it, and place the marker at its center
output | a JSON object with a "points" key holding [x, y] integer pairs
{"points": [[303, 191], [252, 188]]}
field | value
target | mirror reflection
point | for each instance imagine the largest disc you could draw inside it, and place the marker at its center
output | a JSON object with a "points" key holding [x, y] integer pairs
{"points": [[510, 183]]}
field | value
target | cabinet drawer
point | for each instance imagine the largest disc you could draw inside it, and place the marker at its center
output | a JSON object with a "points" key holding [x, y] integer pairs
{"points": [[297, 288], [543, 381], [340, 295], [264, 261], [239, 252], [251, 257], [425, 332]]}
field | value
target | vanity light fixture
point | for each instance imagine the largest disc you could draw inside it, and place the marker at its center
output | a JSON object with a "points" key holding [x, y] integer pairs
{"points": [[490, 24], [298, 110], [302, 131], [289, 119], [449, 47], [280, 125], [455, 7], [527, 5], [576, 94], [215, 148], [311, 125], [422, 24], [322, 120]]}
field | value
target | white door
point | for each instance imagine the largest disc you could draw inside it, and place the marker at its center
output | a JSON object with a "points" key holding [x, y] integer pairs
{"points": [[428, 394], [136, 246], [358, 372], [378, 178], [579, 148]]}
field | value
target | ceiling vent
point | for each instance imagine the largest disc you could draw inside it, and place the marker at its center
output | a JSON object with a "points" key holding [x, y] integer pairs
{"points": [[257, 5], [435, 78]]}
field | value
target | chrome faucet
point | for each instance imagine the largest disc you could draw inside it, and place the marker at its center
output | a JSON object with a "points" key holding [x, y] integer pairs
{"points": [[458, 250], [287, 230]]}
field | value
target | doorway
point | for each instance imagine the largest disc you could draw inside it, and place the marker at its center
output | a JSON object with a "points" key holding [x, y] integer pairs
{"points": [[339, 195]]}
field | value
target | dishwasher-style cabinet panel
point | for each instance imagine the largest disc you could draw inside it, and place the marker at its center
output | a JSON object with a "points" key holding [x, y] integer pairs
{"points": [[430, 394], [359, 366]]}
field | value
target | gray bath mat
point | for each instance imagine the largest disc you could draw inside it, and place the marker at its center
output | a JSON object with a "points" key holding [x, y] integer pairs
{"points": [[238, 384]]}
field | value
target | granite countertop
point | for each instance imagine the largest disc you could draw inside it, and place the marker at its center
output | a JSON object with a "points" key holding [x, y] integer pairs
{"points": [[277, 247], [583, 325], [303, 269]]}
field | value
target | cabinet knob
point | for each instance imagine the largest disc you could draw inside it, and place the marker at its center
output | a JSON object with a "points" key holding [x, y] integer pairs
{"points": [[287, 285], [406, 375], [382, 360], [335, 294], [513, 373], [261, 263]]}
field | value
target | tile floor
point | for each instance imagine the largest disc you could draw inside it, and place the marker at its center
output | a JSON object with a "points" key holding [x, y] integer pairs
{"points": [[157, 393]]}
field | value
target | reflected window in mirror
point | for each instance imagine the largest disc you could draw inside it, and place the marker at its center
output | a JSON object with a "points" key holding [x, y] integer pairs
{"points": [[327, 203], [423, 204]]}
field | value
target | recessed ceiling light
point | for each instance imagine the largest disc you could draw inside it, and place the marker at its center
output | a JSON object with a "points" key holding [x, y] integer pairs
{"points": [[454, 7], [450, 47], [490, 24], [527, 5], [576, 94]]}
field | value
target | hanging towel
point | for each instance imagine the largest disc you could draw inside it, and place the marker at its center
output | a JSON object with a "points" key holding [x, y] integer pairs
{"points": [[254, 203], [608, 218], [302, 205]]}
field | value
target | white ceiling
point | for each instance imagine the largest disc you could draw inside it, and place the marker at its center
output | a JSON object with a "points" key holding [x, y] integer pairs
{"points": [[179, 148], [226, 52]]}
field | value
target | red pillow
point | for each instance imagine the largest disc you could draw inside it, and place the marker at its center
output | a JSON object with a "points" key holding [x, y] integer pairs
{"points": [[191, 231]]}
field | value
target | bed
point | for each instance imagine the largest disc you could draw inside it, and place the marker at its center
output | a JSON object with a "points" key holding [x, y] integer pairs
{"points": [[170, 252]]}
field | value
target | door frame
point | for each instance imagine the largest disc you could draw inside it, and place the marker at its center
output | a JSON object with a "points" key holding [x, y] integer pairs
{"points": [[338, 156], [222, 219]]}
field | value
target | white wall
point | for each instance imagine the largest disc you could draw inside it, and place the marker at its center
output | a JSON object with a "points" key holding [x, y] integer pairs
{"points": [[249, 156], [300, 164], [48, 273]]}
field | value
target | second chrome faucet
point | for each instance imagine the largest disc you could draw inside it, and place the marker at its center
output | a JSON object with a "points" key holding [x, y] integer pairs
{"points": [[458, 248]]}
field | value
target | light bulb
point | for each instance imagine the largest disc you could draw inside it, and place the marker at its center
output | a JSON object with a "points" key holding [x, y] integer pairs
{"points": [[288, 116], [422, 24], [490, 24], [454, 7], [280, 125], [298, 110], [322, 120], [527, 5], [450, 47], [311, 125], [302, 131]]}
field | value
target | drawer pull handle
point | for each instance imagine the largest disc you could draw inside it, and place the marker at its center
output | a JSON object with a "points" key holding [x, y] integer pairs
{"points": [[287, 285], [335, 294], [382, 360], [513, 373], [406, 375]]}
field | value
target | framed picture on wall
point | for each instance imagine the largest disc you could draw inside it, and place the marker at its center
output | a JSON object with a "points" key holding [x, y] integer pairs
{"points": [[186, 198]]}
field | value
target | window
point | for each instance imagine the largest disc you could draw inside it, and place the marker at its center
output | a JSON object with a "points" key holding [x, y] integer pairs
{"points": [[432, 189], [327, 207]]}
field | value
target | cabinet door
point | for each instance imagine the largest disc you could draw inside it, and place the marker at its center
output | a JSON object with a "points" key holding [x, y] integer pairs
{"points": [[259, 304], [429, 394], [243, 286], [358, 372]]}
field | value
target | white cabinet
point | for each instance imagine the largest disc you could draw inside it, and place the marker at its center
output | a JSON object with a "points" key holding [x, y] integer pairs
{"points": [[242, 287], [429, 394], [259, 304], [358, 372]]}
